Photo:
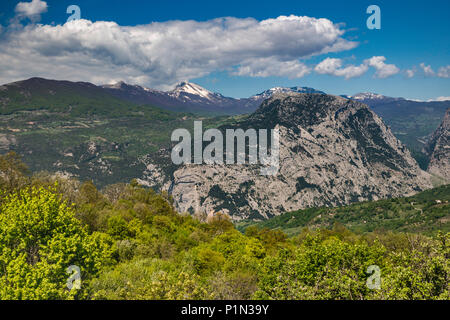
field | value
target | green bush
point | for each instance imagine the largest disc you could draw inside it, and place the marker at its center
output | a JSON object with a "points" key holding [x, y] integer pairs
{"points": [[39, 239]]}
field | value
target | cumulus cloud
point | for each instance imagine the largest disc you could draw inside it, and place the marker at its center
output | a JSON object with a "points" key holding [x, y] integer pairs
{"points": [[410, 72], [32, 10], [383, 70], [162, 53], [444, 72], [427, 70], [267, 67], [333, 66]]}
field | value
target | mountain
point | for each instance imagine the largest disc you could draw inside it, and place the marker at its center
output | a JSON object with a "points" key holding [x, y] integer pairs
{"points": [[185, 97], [439, 149], [140, 95], [192, 93], [79, 129], [333, 151], [58, 96], [83, 98], [190, 97], [425, 212], [99, 133], [413, 122], [269, 93], [373, 99]]}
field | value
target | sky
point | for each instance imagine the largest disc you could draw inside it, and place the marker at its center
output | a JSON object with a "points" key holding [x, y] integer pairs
{"points": [[236, 48]]}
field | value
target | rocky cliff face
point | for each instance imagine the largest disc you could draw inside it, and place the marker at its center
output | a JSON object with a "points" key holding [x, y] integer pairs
{"points": [[333, 151], [439, 149]]}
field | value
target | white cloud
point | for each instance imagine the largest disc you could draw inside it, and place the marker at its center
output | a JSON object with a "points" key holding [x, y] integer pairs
{"points": [[444, 72], [267, 67], [427, 70], [161, 54], [332, 66], [328, 66], [383, 70], [32, 10], [410, 72], [441, 99]]}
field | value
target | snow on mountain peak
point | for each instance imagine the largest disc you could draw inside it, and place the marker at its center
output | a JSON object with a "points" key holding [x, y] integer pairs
{"points": [[191, 88], [268, 93], [367, 95]]}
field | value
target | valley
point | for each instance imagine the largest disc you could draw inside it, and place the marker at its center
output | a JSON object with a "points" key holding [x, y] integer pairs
{"points": [[427, 212], [88, 132]]}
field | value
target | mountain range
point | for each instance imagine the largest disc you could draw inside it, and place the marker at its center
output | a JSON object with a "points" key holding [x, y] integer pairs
{"points": [[413, 122], [190, 97], [334, 150]]}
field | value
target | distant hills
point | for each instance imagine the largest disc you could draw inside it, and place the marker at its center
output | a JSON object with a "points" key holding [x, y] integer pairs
{"points": [[185, 97], [76, 98], [86, 98], [373, 99], [425, 212], [95, 131], [190, 97]]}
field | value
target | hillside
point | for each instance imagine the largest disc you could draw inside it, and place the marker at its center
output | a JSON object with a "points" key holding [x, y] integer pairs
{"points": [[333, 151], [79, 130], [109, 134], [72, 98], [439, 149], [426, 212], [412, 122], [130, 244]]}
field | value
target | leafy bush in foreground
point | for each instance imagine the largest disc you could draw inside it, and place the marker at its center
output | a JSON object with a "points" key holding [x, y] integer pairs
{"points": [[130, 243], [39, 239]]}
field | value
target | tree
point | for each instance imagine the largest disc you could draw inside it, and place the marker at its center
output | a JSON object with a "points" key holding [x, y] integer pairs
{"points": [[13, 172], [39, 239]]}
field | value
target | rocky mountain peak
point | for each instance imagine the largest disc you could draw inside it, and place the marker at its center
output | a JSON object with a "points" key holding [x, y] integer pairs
{"points": [[293, 109], [333, 151], [368, 95], [270, 92], [374, 99], [191, 88], [438, 148]]}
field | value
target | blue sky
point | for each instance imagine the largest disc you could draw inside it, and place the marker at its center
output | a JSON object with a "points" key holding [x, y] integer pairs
{"points": [[412, 33]]}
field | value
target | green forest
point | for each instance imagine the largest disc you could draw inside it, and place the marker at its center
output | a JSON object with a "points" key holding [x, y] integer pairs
{"points": [[130, 243]]}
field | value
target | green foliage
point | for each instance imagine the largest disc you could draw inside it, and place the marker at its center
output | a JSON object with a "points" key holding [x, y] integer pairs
{"points": [[148, 279], [426, 212], [333, 266], [130, 243], [13, 172], [320, 268], [421, 273], [39, 239]]}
